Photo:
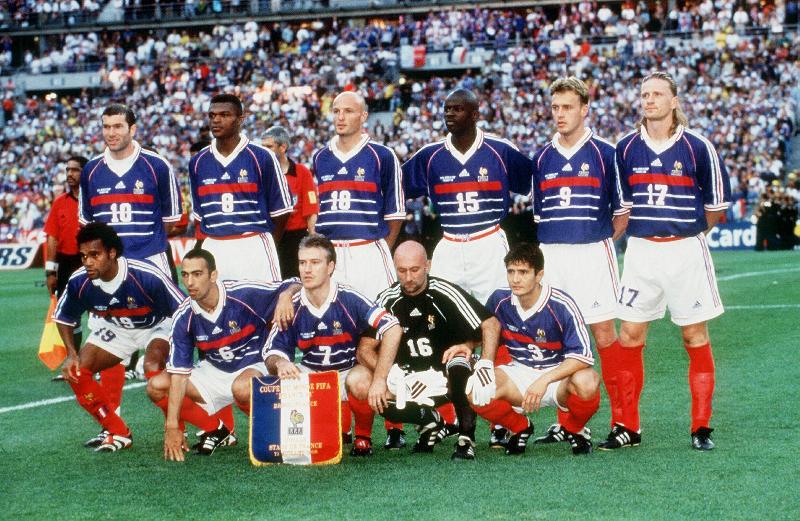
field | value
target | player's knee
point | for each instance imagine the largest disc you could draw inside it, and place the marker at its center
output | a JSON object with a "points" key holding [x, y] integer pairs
{"points": [[632, 334], [158, 387], [604, 333], [585, 383], [695, 335], [358, 382]]}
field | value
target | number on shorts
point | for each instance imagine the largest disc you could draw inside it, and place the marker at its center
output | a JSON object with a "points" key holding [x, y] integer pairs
{"points": [[225, 353], [105, 334], [467, 202], [227, 202], [631, 294], [423, 347], [326, 351], [656, 194], [121, 212], [566, 196], [340, 200]]}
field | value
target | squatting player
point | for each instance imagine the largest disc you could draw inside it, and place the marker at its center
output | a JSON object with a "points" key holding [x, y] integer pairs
{"points": [[133, 302], [677, 189], [551, 356], [239, 196], [441, 324], [576, 203], [328, 322], [228, 321], [132, 189], [361, 201]]}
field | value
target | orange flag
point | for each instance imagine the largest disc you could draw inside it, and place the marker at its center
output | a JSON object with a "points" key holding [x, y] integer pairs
{"points": [[51, 348]]}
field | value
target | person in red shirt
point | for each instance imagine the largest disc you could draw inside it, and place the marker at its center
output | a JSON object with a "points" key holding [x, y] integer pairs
{"points": [[304, 193]]}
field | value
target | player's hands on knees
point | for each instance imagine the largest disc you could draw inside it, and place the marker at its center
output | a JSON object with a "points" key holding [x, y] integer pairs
{"points": [[284, 311], [457, 350], [174, 444], [287, 369], [378, 396], [71, 369], [533, 395]]}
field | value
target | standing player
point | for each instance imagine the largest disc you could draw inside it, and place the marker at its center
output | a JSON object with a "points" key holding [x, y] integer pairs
{"points": [[133, 302], [551, 357], [329, 319], [575, 195], [362, 205], [239, 197], [304, 195], [468, 176], [229, 322], [132, 189], [441, 323], [677, 189]]}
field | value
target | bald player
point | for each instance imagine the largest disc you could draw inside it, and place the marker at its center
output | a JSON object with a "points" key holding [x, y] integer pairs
{"points": [[441, 324], [361, 201]]}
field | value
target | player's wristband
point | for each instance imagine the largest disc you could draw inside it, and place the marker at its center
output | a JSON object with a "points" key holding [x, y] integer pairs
{"points": [[50, 266]]}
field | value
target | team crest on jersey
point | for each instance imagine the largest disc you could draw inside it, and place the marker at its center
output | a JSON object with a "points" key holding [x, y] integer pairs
{"points": [[234, 327], [242, 175], [584, 171], [677, 168], [138, 187], [431, 322], [297, 419], [342, 171], [337, 327], [483, 174], [360, 174], [540, 336], [131, 303]]}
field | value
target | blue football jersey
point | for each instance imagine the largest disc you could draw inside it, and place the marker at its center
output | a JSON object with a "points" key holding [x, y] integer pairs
{"points": [[328, 336], [669, 186], [575, 191], [470, 191], [135, 202], [233, 335], [358, 191], [240, 193], [139, 297], [544, 335]]}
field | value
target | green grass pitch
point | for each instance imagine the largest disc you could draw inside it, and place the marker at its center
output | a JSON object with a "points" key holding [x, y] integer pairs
{"points": [[753, 473]]}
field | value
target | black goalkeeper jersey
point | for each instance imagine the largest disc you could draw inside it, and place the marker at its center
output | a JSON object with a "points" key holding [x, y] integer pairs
{"points": [[442, 316]]}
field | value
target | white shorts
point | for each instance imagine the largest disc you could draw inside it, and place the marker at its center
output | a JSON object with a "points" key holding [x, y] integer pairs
{"points": [[342, 378], [252, 257], [474, 264], [161, 261], [366, 267], [122, 342], [523, 377], [215, 385], [588, 273], [678, 275]]}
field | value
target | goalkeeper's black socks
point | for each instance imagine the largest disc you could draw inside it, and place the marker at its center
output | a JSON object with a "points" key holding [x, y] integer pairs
{"points": [[412, 413]]}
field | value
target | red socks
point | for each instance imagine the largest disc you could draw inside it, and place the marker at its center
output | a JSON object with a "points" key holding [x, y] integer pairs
{"points": [[112, 380], [92, 397], [499, 412], [610, 359], [701, 384], [347, 416], [630, 381], [363, 416], [580, 411], [192, 413], [225, 415], [448, 412]]}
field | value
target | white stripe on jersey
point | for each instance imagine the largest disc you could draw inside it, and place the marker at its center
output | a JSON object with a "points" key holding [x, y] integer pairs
{"points": [[134, 234], [549, 219], [637, 218], [219, 203], [675, 196], [319, 225], [716, 171], [137, 223], [492, 222], [458, 299], [665, 207], [329, 200], [133, 212], [443, 203], [366, 212], [236, 224], [572, 196], [496, 210], [571, 207], [244, 212]]}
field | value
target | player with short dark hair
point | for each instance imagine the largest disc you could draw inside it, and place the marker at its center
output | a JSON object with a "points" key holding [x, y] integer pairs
{"points": [[576, 203], [239, 197], [361, 201], [132, 189], [551, 356], [441, 325], [133, 303], [329, 318], [677, 190], [229, 322]]}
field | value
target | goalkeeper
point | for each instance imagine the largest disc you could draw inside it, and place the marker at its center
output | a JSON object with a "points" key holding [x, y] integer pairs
{"points": [[441, 326], [551, 357]]}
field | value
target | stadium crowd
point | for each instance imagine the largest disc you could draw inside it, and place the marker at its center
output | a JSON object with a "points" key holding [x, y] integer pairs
{"points": [[738, 88]]}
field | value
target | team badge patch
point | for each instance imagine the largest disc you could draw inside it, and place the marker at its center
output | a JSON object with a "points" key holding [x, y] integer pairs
{"points": [[138, 187], [296, 421], [360, 174], [677, 168], [483, 174], [584, 171]]}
